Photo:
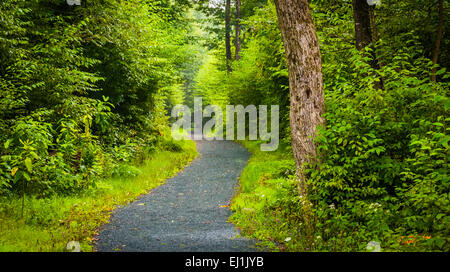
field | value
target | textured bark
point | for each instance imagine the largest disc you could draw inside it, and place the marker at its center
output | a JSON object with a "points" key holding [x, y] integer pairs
{"points": [[228, 33], [438, 38], [361, 16], [373, 24], [305, 80], [238, 29]]}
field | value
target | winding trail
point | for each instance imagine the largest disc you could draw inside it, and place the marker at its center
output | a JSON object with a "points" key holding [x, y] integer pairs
{"points": [[187, 213]]}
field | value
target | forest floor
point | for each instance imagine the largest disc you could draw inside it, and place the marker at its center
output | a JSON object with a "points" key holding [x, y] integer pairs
{"points": [[189, 212]]}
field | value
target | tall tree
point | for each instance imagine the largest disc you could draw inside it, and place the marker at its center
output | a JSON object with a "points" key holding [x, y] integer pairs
{"points": [[366, 32], [238, 29], [438, 38], [363, 29], [305, 80], [228, 33]]}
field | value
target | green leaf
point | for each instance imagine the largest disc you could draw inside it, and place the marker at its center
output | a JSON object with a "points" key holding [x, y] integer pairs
{"points": [[26, 176], [29, 164], [440, 242], [447, 104], [7, 143], [440, 72], [32, 153]]}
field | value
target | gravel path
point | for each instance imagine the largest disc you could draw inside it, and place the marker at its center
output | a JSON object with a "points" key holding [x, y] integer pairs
{"points": [[185, 214]]}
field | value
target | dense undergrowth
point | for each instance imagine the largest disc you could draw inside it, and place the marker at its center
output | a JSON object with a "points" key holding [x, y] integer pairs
{"points": [[267, 207], [84, 125], [48, 224], [85, 95], [383, 152], [86, 89], [382, 175]]}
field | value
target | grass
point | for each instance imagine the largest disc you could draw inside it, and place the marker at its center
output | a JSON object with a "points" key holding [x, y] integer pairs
{"points": [[266, 207], [49, 224], [264, 184]]}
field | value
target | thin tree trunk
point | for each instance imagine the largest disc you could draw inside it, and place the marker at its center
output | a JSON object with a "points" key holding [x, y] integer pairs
{"points": [[363, 31], [375, 38], [373, 24], [376, 63], [438, 38], [238, 29], [227, 33], [305, 80]]}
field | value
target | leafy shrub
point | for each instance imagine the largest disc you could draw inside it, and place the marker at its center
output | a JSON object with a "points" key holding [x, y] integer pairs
{"points": [[171, 145], [383, 171], [125, 171], [85, 88], [383, 153]]}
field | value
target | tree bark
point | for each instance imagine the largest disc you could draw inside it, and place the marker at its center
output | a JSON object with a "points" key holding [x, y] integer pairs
{"points": [[305, 80], [238, 29], [438, 38], [366, 32], [361, 16], [227, 33], [376, 62], [373, 24]]}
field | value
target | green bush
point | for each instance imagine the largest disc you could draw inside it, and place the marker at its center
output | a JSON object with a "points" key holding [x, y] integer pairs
{"points": [[86, 88], [125, 171], [384, 160], [383, 151]]}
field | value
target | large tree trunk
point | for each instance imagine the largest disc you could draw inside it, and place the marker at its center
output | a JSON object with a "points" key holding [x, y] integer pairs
{"points": [[227, 33], [438, 38], [305, 80], [238, 29]]}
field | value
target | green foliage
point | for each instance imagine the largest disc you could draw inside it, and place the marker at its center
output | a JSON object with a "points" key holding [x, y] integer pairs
{"points": [[124, 170], [266, 207], [259, 78], [383, 152], [210, 82], [85, 93], [50, 223], [399, 17], [85, 89], [384, 156]]}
